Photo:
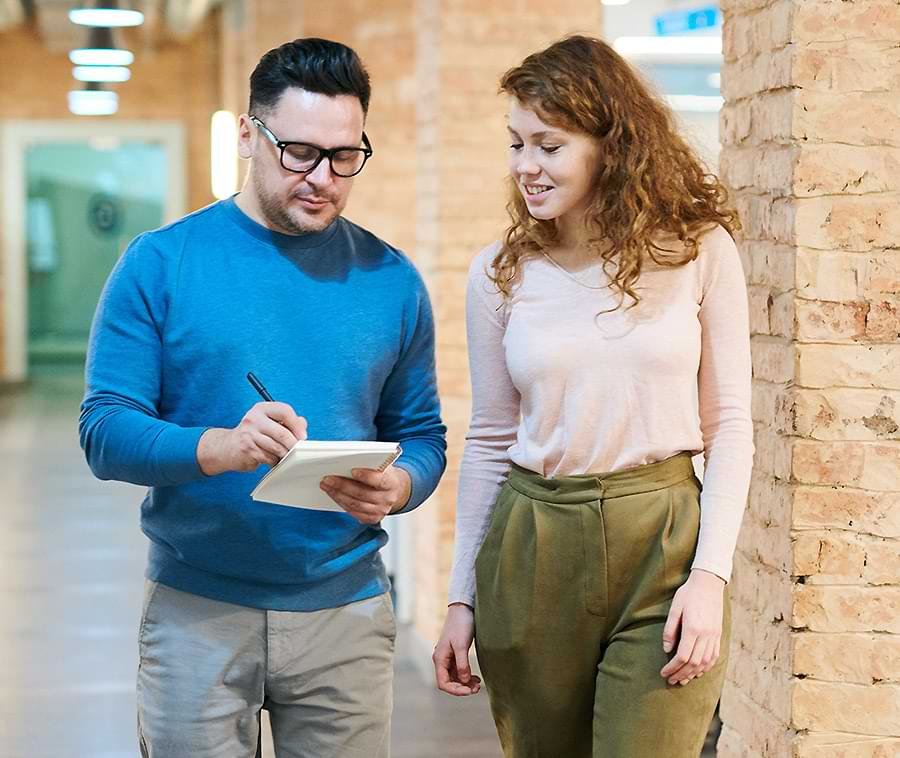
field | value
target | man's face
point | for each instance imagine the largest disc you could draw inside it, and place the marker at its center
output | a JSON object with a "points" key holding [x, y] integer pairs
{"points": [[301, 203]]}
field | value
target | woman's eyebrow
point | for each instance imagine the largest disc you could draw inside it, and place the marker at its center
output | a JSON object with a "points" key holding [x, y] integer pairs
{"points": [[536, 135]]}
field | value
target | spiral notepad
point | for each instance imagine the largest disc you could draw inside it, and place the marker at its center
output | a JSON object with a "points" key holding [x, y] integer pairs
{"points": [[294, 480]]}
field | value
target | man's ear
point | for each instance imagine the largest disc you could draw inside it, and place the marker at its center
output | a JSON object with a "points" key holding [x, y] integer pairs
{"points": [[246, 136]]}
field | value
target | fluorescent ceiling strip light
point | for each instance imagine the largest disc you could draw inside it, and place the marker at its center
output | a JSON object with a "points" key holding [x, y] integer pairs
{"points": [[224, 163], [101, 56], [101, 73], [105, 17], [93, 102], [659, 47], [696, 103]]}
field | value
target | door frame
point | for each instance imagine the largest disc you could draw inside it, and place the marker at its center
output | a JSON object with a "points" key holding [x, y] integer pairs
{"points": [[16, 136]]}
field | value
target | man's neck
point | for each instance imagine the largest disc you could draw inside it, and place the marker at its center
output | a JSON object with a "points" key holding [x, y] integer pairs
{"points": [[248, 203]]}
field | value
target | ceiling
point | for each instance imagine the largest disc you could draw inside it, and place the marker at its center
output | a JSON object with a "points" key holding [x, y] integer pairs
{"points": [[178, 18]]}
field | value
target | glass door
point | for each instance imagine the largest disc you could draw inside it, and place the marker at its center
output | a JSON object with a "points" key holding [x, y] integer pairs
{"points": [[85, 202]]}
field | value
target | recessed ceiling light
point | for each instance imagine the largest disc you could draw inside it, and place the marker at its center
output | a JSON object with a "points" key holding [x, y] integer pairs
{"points": [[101, 50], [105, 13], [101, 73], [93, 102]]}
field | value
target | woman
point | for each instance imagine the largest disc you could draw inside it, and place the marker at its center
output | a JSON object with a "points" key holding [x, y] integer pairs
{"points": [[609, 342]]}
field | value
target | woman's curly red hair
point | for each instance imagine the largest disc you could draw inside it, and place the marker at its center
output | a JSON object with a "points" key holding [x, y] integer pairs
{"points": [[651, 188]]}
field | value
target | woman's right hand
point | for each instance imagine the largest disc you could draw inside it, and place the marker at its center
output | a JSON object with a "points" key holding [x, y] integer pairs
{"points": [[451, 654]]}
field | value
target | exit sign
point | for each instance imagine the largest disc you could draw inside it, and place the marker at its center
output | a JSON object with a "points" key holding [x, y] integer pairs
{"points": [[679, 22]]}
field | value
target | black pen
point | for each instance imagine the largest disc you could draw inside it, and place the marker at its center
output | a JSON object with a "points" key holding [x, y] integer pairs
{"points": [[258, 386]]}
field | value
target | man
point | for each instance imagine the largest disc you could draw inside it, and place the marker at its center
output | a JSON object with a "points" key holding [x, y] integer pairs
{"points": [[247, 604]]}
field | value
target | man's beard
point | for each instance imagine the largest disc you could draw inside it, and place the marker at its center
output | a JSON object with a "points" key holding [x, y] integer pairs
{"points": [[278, 216]]}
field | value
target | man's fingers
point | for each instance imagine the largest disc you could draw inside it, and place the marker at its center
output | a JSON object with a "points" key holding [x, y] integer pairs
{"points": [[352, 489], [278, 431], [273, 438], [365, 513], [287, 417], [371, 478]]}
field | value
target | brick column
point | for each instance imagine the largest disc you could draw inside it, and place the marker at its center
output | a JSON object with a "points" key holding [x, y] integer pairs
{"points": [[811, 149]]}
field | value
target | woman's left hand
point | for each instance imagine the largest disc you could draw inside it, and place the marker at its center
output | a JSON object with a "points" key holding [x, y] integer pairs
{"points": [[697, 612]]}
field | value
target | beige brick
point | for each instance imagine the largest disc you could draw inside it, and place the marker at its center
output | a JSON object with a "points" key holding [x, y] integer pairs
{"points": [[773, 359], [823, 608], [882, 274], [883, 320], [820, 118], [882, 562], [760, 73], [861, 658], [843, 745], [848, 366], [751, 34], [846, 169], [827, 21], [876, 513], [834, 554], [774, 453], [847, 414], [829, 275], [872, 710], [869, 465], [822, 320], [771, 265], [761, 734], [759, 169], [767, 544], [768, 640], [770, 500], [846, 222], [767, 591], [847, 68], [762, 682]]}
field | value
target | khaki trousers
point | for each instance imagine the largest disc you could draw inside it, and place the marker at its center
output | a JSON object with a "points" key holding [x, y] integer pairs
{"points": [[574, 583], [208, 667]]}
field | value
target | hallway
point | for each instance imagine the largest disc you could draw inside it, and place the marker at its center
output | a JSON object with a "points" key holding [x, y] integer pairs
{"points": [[70, 601]]}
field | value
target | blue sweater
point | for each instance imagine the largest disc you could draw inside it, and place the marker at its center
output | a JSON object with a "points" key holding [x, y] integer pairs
{"points": [[335, 323]]}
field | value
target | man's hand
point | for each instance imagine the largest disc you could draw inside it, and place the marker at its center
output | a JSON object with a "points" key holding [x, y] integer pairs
{"points": [[264, 436], [696, 612], [370, 495]]}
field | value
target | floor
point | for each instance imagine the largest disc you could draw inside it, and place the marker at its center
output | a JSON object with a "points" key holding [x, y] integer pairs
{"points": [[71, 564], [70, 599]]}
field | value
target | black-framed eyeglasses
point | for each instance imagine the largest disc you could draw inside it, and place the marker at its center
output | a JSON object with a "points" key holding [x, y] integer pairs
{"points": [[302, 157]]}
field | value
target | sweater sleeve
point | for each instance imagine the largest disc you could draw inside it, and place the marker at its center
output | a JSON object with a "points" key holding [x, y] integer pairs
{"points": [[724, 382], [120, 428], [409, 410], [492, 430]]}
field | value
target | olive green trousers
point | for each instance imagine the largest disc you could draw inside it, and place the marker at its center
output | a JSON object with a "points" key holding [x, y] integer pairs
{"points": [[574, 583]]}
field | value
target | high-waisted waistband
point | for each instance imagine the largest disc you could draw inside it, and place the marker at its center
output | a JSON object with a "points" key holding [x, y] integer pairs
{"points": [[585, 488]]}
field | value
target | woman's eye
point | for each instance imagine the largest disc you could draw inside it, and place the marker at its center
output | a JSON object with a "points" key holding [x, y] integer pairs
{"points": [[516, 146], [551, 148]]}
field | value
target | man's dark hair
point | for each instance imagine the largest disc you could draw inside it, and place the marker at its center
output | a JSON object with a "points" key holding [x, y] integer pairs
{"points": [[313, 64]]}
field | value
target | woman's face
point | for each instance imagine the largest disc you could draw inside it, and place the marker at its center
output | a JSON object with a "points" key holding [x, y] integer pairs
{"points": [[553, 168]]}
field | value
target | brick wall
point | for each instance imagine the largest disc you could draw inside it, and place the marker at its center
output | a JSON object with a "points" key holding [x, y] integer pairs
{"points": [[811, 133]]}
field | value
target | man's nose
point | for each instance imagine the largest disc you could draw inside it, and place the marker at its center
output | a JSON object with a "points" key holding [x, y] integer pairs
{"points": [[321, 175]]}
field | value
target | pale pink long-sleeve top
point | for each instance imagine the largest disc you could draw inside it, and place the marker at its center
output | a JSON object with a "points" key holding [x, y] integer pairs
{"points": [[561, 390]]}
